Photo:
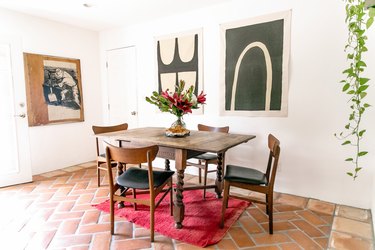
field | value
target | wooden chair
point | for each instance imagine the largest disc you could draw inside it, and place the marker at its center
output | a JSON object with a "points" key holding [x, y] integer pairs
{"points": [[136, 178], [254, 180], [101, 159], [206, 158]]}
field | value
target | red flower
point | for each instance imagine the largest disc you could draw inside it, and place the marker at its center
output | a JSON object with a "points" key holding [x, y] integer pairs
{"points": [[201, 98], [180, 102]]}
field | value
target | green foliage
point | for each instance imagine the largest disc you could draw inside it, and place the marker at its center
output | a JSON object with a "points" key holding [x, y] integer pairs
{"points": [[358, 20]]}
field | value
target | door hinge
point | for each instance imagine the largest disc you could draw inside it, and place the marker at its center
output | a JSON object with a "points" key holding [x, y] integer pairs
{"points": [[106, 65]]}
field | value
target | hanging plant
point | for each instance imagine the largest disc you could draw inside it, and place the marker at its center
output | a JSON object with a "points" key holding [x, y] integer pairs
{"points": [[358, 20]]}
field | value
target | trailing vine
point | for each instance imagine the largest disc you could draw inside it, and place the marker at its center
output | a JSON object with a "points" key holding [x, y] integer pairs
{"points": [[358, 20]]}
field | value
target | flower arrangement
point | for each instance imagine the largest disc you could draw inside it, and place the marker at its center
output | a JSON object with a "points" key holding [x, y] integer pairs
{"points": [[178, 103]]}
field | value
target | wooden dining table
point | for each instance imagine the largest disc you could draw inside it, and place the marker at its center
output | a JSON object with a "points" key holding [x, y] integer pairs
{"points": [[180, 149]]}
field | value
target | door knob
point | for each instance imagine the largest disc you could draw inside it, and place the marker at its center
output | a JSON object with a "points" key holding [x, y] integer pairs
{"points": [[133, 113], [21, 115]]}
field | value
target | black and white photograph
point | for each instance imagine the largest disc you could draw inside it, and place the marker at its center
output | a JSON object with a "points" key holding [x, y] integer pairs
{"points": [[57, 89]]}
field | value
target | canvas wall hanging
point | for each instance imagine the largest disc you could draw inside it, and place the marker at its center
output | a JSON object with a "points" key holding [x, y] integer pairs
{"points": [[53, 88], [254, 66], [179, 57]]}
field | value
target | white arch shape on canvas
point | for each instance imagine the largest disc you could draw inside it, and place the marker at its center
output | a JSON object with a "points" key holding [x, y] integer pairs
{"points": [[267, 58]]}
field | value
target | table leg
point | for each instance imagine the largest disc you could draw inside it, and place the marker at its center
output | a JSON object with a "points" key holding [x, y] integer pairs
{"points": [[219, 175], [179, 207], [167, 165]]}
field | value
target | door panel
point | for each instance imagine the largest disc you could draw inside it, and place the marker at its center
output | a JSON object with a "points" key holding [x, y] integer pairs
{"points": [[15, 166], [122, 86]]}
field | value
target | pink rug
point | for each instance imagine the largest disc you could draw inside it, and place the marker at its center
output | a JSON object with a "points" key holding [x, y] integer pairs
{"points": [[201, 222]]}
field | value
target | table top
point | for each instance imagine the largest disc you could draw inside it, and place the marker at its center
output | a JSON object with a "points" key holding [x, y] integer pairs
{"points": [[203, 141]]}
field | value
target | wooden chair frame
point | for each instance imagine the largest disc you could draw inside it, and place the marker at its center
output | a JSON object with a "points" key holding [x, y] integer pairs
{"points": [[274, 146], [101, 159], [203, 164], [137, 156]]}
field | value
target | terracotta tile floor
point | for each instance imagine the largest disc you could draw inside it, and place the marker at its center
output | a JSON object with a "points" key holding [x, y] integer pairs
{"points": [[55, 212]]}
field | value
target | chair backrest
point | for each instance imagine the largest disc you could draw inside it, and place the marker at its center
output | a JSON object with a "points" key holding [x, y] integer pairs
{"points": [[107, 129], [202, 127], [131, 155], [273, 159]]}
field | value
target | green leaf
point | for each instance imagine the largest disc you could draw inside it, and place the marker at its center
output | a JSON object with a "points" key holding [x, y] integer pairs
{"points": [[350, 92], [349, 159], [369, 22], [371, 12], [363, 95], [347, 126], [357, 169], [362, 88], [345, 143], [348, 173], [361, 132], [346, 87], [362, 153], [361, 64], [363, 80], [348, 71], [366, 105]]}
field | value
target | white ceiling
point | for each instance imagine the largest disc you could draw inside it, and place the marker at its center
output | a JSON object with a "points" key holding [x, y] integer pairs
{"points": [[104, 14]]}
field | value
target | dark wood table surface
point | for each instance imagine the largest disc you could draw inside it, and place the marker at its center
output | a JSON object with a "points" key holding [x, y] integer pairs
{"points": [[180, 149]]}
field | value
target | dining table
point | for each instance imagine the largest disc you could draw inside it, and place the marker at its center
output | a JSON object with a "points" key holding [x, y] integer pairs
{"points": [[180, 149]]}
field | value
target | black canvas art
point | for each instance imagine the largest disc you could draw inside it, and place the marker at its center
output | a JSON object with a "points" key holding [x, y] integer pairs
{"points": [[255, 64]]}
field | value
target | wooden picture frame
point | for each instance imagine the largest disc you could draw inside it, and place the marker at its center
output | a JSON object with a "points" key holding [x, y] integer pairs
{"points": [[53, 89]]}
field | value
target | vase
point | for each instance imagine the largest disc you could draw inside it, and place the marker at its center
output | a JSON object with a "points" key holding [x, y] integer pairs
{"points": [[178, 128], [179, 123]]}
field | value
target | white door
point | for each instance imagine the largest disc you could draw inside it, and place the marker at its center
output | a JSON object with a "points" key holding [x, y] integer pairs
{"points": [[122, 86], [15, 165]]}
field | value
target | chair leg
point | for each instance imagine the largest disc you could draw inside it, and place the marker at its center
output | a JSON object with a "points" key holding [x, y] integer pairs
{"points": [[134, 197], [112, 216], [225, 203], [270, 213], [200, 172], [171, 198], [205, 179], [98, 174], [152, 219], [267, 205]]}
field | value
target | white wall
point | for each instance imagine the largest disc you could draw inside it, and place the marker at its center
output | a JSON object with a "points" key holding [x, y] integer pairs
{"points": [[62, 145], [312, 160]]}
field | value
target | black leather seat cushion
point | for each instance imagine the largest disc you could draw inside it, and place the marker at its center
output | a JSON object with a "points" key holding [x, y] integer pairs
{"points": [[245, 175], [138, 178], [206, 156]]}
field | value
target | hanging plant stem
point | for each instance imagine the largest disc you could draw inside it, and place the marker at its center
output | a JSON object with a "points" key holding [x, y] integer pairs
{"points": [[355, 86]]}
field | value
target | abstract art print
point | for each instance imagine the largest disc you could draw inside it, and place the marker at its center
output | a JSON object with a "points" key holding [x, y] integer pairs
{"points": [[179, 57], [255, 58], [54, 90]]}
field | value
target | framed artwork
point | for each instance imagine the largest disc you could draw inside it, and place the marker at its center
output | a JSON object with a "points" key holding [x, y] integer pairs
{"points": [[179, 57], [53, 89], [255, 59]]}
